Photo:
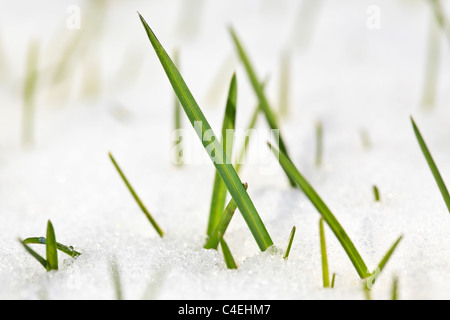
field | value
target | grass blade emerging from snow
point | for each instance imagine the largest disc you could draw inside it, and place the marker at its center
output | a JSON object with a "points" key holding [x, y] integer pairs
{"points": [[394, 294], [376, 193], [432, 165], [223, 224], [229, 260], [291, 239], [210, 142], [256, 84], [333, 280], [219, 194], [325, 212], [136, 197], [63, 248], [323, 251], [51, 248], [388, 255], [41, 260]]}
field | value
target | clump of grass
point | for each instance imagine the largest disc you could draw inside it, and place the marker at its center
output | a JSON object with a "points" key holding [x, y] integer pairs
{"points": [[432, 164], [51, 261], [291, 239], [258, 89], [210, 142], [330, 219], [220, 189], [229, 260], [29, 93], [136, 197], [376, 193]]}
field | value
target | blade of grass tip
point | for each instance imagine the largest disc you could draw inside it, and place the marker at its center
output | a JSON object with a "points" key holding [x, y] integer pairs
{"points": [[229, 260], [51, 248], [210, 142], [115, 274], [376, 193], [333, 280], [388, 255], [219, 193], [29, 93], [319, 144], [291, 239], [263, 102], [136, 197], [432, 165], [177, 112], [324, 211], [41, 260], [394, 294], [323, 251], [222, 225], [61, 247]]}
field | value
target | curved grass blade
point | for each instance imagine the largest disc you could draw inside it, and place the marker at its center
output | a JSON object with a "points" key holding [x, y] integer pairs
{"points": [[136, 197], [223, 223], [229, 260], [326, 214], [41, 260], [432, 165], [63, 248], [291, 239], [263, 102], [219, 194], [210, 142], [51, 249], [323, 251]]}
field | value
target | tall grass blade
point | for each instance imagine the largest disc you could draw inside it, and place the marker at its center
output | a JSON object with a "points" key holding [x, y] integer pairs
{"points": [[63, 248], [210, 142], [219, 194], [229, 260], [326, 214], [51, 248], [222, 225], [289, 246], [136, 197], [256, 84], [41, 260], [432, 165], [323, 251]]}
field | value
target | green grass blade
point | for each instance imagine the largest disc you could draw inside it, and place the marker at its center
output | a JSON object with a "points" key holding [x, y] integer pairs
{"points": [[209, 141], [325, 212], [441, 17], [388, 255], [291, 239], [376, 193], [115, 274], [63, 248], [136, 197], [394, 294], [51, 248], [323, 251], [432, 165], [263, 102], [222, 225], [41, 260], [219, 194], [229, 260], [333, 280], [29, 93]]}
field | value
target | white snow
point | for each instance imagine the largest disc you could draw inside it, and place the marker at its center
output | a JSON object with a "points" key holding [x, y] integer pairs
{"points": [[348, 76]]}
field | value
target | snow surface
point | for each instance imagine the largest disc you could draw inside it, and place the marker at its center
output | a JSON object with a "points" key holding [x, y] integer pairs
{"points": [[346, 75]]}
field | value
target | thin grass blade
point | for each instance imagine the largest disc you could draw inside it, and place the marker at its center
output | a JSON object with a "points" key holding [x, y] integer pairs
{"points": [[376, 193], [210, 142], [394, 294], [256, 84], [29, 93], [432, 165], [323, 251], [219, 194], [51, 248], [222, 225], [136, 197], [319, 144], [388, 255], [324, 211], [63, 248], [291, 239], [229, 260], [115, 274], [41, 260], [333, 280], [177, 114]]}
